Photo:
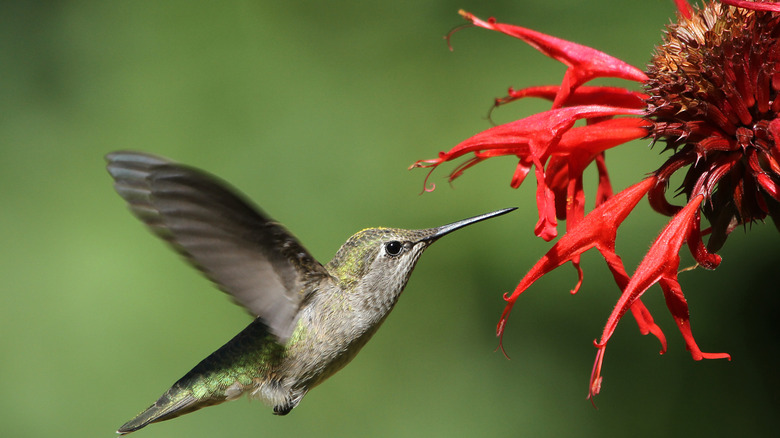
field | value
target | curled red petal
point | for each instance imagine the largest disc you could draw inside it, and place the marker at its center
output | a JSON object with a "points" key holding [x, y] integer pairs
{"points": [[685, 8], [558, 178], [534, 134], [661, 260], [530, 136], [774, 129], [660, 264], [657, 196], [595, 375], [546, 226], [585, 63], [766, 182], [699, 252], [575, 261], [523, 167], [641, 314], [598, 137], [534, 138], [754, 5], [678, 306], [584, 95], [597, 229], [604, 189], [577, 148], [575, 200], [646, 323], [458, 171]]}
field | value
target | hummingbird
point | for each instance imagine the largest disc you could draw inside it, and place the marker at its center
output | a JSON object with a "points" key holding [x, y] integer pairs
{"points": [[309, 319]]}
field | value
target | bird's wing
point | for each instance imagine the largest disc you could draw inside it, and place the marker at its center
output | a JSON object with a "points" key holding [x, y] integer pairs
{"points": [[248, 255]]}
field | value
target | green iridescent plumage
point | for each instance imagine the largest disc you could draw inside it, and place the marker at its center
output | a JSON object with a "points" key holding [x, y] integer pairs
{"points": [[310, 320]]}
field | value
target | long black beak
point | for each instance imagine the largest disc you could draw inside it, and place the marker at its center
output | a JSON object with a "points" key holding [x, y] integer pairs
{"points": [[446, 229]]}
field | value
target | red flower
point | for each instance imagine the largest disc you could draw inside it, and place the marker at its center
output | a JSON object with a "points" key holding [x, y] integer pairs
{"points": [[710, 94]]}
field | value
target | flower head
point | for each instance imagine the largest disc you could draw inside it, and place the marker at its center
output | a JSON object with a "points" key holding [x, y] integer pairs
{"points": [[713, 85], [710, 94]]}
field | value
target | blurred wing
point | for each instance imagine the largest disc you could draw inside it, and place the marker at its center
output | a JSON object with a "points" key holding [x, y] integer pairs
{"points": [[250, 257]]}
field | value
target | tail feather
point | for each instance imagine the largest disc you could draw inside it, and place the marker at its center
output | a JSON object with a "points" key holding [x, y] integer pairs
{"points": [[222, 376], [175, 402]]}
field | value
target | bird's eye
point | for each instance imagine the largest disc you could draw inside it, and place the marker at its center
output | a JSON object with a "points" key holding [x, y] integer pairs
{"points": [[393, 248]]}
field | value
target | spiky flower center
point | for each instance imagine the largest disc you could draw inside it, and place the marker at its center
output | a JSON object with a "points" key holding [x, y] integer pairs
{"points": [[713, 86]]}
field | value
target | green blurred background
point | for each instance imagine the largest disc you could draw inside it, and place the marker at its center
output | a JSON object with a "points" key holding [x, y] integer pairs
{"points": [[315, 110]]}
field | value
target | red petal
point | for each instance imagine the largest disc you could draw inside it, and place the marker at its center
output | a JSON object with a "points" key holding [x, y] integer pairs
{"points": [[532, 135], [604, 190], [546, 227], [523, 167], [678, 306], [756, 6], [578, 148], [685, 8], [598, 137], [646, 324], [699, 252], [764, 180], [659, 265], [657, 195], [535, 137], [585, 95], [585, 63], [661, 260], [774, 129], [597, 229]]}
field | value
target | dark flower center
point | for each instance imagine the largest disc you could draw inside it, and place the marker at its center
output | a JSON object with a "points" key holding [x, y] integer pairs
{"points": [[713, 86]]}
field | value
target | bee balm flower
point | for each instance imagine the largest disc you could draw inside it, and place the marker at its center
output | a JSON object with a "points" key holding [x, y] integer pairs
{"points": [[710, 94]]}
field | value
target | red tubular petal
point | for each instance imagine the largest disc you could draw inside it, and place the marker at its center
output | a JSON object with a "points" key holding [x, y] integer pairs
{"points": [[604, 190], [557, 178], [642, 316], [598, 229], [546, 227], [659, 203], [584, 95], [756, 6], [585, 63], [531, 136], [661, 260], [774, 166], [685, 8], [534, 138], [580, 275], [678, 306], [699, 252], [598, 137], [660, 265], [595, 375], [523, 167], [657, 195], [646, 323], [578, 148], [715, 143], [762, 89], [766, 182], [718, 168], [774, 129], [575, 201], [541, 91]]}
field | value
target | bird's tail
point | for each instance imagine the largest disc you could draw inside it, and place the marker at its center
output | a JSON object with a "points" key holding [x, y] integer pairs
{"points": [[222, 376], [178, 400]]}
